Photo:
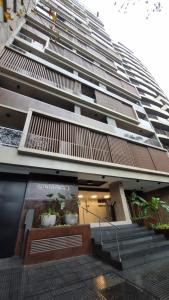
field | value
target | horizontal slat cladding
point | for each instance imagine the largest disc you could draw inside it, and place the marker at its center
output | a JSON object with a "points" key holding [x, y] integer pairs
{"points": [[58, 243], [114, 104], [160, 159], [141, 156], [24, 65], [120, 151]]}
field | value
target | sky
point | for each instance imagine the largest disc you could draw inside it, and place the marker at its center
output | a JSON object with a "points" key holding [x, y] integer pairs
{"points": [[148, 39]]}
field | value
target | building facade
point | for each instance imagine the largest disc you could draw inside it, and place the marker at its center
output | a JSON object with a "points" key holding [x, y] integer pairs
{"points": [[77, 112]]}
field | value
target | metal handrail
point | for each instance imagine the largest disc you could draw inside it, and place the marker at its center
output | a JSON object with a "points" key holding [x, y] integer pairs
{"points": [[108, 222]]}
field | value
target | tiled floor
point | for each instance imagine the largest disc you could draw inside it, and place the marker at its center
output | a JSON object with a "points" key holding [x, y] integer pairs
{"points": [[153, 277], [79, 278]]}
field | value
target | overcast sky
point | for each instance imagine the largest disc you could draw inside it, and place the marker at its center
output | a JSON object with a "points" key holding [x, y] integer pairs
{"points": [[148, 39]]}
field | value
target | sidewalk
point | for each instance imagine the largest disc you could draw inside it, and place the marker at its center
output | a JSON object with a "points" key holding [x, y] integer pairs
{"points": [[78, 278]]}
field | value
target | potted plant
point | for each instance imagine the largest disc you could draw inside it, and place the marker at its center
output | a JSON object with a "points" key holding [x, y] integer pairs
{"points": [[49, 218], [71, 218], [68, 207], [161, 229], [71, 212]]}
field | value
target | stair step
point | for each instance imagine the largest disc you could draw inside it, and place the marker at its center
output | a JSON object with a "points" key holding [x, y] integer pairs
{"points": [[144, 247], [143, 256], [138, 245], [120, 230], [125, 236], [134, 242]]}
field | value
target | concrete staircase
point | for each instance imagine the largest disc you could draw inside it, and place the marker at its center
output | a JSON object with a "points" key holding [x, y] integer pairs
{"points": [[138, 245]]}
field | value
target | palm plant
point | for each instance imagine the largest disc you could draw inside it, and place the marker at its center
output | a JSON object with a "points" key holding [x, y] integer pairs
{"points": [[137, 201], [155, 204], [145, 206]]}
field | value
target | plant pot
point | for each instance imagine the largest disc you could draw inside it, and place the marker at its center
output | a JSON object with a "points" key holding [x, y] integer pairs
{"points": [[48, 220], [71, 219]]}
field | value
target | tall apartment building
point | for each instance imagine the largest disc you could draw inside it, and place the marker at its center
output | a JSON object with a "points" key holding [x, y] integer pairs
{"points": [[77, 112]]}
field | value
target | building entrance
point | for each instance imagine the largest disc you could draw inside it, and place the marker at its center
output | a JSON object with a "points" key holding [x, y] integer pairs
{"points": [[11, 200], [98, 204]]}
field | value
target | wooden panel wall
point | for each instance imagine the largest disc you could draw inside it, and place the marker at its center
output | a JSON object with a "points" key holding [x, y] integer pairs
{"points": [[120, 151], [57, 242], [56, 136], [160, 159], [141, 156], [114, 104]]}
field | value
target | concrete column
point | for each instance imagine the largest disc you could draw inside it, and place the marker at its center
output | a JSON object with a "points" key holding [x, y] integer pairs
{"points": [[121, 208], [75, 72], [111, 121], [77, 109], [102, 85]]}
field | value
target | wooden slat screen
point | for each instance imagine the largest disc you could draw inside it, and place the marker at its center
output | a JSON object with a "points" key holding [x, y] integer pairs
{"points": [[160, 159], [114, 104], [43, 134], [24, 65], [141, 156], [100, 147], [90, 66], [74, 141], [54, 136], [120, 151]]}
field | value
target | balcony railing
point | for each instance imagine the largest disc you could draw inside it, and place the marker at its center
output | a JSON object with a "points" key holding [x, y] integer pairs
{"points": [[152, 116], [137, 137], [163, 132], [166, 147], [10, 137]]}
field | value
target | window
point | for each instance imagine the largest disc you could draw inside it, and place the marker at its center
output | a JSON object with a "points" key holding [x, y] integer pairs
{"points": [[93, 115], [88, 91]]}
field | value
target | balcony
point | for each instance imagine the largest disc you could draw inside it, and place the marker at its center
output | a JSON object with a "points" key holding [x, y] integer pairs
{"points": [[77, 59], [115, 105], [145, 124], [91, 67], [29, 68], [60, 32], [163, 132], [151, 116], [58, 139], [136, 137], [10, 137]]}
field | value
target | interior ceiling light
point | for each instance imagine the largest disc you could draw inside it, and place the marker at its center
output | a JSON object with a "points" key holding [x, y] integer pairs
{"points": [[106, 196], [80, 196], [94, 196]]}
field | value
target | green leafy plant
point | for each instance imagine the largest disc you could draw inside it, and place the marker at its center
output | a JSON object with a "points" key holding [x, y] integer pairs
{"points": [[146, 208], [160, 226], [49, 212], [138, 202], [155, 203], [71, 201]]}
